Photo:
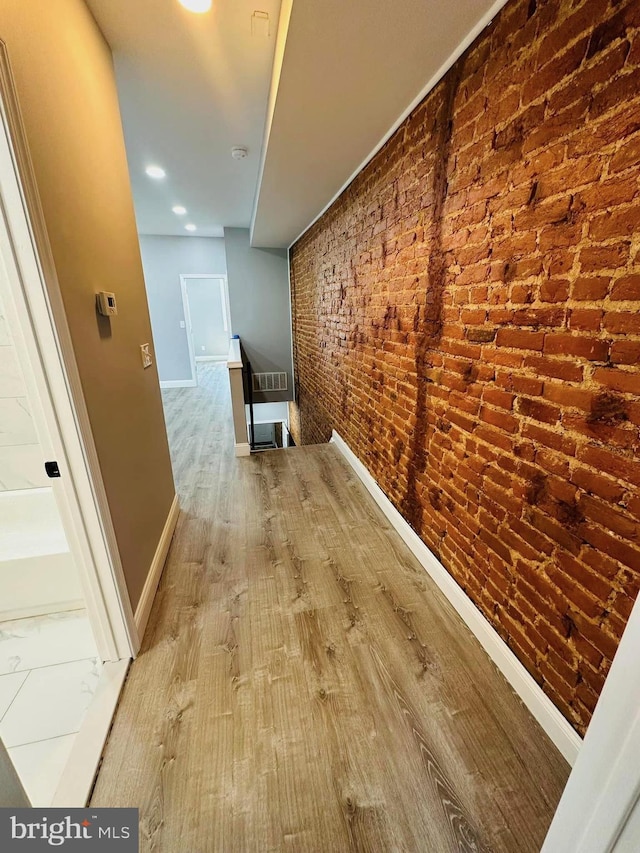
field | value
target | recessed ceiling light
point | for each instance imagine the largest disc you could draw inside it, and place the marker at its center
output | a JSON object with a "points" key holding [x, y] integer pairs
{"points": [[179, 210], [156, 172], [197, 6], [190, 226]]}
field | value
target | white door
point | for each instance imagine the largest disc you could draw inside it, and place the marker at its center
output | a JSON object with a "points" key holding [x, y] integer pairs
{"points": [[37, 571], [43, 420]]}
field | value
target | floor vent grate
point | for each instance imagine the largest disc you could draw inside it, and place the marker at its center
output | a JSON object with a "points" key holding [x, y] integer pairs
{"points": [[269, 381]]}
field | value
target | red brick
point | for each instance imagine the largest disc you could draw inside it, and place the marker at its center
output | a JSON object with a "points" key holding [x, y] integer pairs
{"points": [[555, 440], [556, 38], [499, 419], [558, 369], [554, 290], [622, 323], [619, 223], [614, 464], [495, 397], [626, 288], [538, 410], [605, 195], [595, 258], [526, 385], [554, 531], [567, 396], [619, 550], [479, 386], [520, 339], [614, 520], [586, 319], [627, 155], [581, 346], [625, 352], [590, 75], [552, 462], [617, 93], [536, 317], [589, 289], [618, 379]]}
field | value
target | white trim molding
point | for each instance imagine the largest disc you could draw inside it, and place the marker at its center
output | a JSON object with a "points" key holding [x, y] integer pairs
{"points": [[76, 782], [566, 739], [599, 808], [178, 383], [242, 449], [278, 58], [143, 610]]}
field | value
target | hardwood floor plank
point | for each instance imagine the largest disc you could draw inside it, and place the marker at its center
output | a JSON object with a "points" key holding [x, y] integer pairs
{"points": [[303, 685]]}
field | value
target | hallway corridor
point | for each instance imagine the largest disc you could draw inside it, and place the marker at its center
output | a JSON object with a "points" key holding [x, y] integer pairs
{"points": [[303, 685]]}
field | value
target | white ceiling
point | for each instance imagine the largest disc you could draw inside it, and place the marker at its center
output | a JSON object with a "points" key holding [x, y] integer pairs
{"points": [[193, 86], [190, 88], [350, 70]]}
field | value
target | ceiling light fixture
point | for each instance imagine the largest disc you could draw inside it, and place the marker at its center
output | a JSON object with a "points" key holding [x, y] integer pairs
{"points": [[179, 210], [197, 6], [156, 172], [239, 152], [190, 226]]}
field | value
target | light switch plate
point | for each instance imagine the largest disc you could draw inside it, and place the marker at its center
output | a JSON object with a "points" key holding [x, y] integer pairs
{"points": [[147, 361]]}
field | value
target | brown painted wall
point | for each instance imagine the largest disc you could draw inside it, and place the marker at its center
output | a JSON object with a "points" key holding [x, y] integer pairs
{"points": [[467, 316], [66, 87]]}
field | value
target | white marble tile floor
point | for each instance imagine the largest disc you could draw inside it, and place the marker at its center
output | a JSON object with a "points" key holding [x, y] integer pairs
{"points": [[39, 766], [49, 671], [26, 644]]}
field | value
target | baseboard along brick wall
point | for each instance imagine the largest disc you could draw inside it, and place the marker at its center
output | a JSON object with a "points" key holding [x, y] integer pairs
{"points": [[467, 316]]}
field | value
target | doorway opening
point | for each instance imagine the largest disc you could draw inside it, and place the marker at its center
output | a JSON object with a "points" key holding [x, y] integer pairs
{"points": [[49, 661], [67, 631], [268, 426], [205, 302]]}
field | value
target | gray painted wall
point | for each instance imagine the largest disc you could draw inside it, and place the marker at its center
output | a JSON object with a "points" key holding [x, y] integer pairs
{"points": [[164, 260], [210, 338], [260, 310]]}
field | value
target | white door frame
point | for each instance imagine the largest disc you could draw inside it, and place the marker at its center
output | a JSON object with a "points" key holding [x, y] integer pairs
{"points": [[604, 785], [42, 334], [226, 313], [187, 330]]}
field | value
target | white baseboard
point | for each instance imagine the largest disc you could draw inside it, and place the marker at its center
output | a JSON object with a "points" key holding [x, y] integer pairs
{"points": [[143, 609], [243, 449], [178, 383], [76, 782], [211, 358], [566, 739]]}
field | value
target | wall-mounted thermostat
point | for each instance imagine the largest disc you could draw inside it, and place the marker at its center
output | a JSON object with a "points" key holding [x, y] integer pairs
{"points": [[106, 303]]}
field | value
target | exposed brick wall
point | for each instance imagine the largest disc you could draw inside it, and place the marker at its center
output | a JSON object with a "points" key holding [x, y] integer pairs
{"points": [[467, 316]]}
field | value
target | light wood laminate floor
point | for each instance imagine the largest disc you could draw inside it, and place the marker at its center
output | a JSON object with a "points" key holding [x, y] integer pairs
{"points": [[303, 685]]}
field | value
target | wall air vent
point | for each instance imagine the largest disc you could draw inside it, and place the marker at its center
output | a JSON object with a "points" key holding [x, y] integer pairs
{"points": [[269, 381]]}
